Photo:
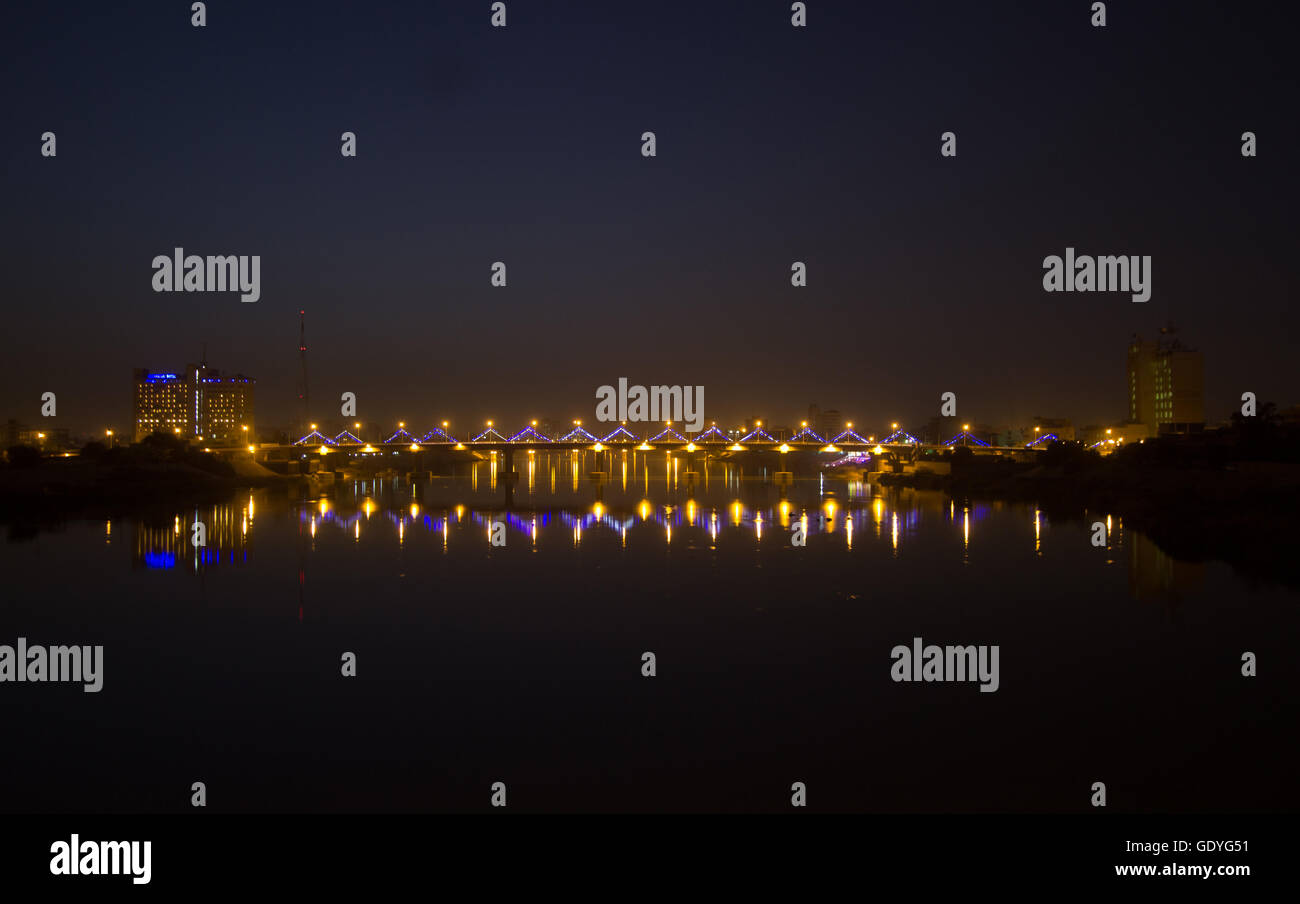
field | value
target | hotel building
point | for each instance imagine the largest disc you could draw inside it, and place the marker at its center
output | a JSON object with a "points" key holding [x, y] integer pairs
{"points": [[198, 403]]}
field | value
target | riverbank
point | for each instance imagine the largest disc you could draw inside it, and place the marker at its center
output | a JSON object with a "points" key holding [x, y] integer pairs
{"points": [[66, 485], [1243, 513]]}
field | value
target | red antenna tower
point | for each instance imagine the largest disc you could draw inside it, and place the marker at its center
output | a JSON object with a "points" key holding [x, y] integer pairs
{"points": [[302, 360]]}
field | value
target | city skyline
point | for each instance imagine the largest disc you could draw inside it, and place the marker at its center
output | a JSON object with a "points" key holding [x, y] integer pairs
{"points": [[1152, 404], [522, 145]]}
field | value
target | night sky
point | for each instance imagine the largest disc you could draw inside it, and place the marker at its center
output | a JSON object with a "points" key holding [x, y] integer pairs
{"points": [[775, 144]]}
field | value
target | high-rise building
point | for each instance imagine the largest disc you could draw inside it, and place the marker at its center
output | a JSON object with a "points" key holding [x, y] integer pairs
{"points": [[162, 403], [225, 407], [1166, 385], [197, 404], [831, 424], [828, 423]]}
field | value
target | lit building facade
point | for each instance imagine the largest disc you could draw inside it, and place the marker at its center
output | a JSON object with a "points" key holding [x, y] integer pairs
{"points": [[162, 403], [225, 406], [198, 403], [1166, 386]]}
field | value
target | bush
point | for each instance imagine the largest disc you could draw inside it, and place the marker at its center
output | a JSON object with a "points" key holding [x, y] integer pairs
{"points": [[1070, 456], [24, 456]]}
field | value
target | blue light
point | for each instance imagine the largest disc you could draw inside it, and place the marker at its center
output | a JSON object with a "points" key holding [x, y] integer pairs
{"points": [[159, 560], [159, 378]]}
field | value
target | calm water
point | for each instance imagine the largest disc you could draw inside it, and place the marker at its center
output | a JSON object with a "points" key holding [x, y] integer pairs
{"points": [[522, 663]]}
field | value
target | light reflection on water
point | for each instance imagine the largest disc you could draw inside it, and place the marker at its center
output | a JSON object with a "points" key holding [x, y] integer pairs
{"points": [[777, 656], [694, 509]]}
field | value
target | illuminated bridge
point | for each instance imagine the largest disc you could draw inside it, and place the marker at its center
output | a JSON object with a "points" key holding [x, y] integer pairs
{"points": [[711, 440]]}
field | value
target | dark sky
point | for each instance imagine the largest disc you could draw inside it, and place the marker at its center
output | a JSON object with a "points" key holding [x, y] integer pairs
{"points": [[522, 144]]}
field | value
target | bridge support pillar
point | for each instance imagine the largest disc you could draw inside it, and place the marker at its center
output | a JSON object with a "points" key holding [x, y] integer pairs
{"points": [[509, 476]]}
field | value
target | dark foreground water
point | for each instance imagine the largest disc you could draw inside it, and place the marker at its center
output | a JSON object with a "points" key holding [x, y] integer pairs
{"points": [[522, 663]]}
